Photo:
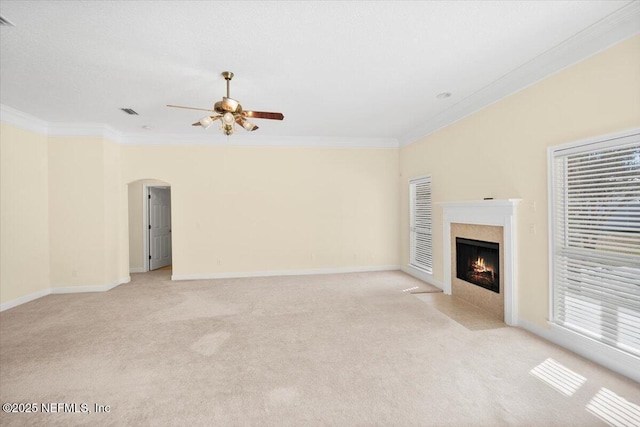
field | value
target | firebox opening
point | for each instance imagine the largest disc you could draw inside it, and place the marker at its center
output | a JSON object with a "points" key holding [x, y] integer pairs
{"points": [[478, 262]]}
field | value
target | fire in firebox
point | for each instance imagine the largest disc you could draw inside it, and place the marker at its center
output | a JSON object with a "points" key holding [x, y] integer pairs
{"points": [[477, 262]]}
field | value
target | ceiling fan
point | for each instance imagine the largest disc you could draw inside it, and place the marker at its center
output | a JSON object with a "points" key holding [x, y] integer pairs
{"points": [[229, 112]]}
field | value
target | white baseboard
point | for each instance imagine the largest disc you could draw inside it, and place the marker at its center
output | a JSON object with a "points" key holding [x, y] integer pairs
{"points": [[62, 290], [618, 361], [98, 288], [25, 299], [137, 270], [271, 273], [425, 277]]}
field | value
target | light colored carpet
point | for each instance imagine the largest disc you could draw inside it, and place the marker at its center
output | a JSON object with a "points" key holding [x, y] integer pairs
{"points": [[342, 350]]}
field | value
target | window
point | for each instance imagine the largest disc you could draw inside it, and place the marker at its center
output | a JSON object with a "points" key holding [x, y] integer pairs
{"points": [[421, 237], [595, 240]]}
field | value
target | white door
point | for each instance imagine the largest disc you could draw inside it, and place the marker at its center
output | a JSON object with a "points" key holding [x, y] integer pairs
{"points": [[159, 227]]}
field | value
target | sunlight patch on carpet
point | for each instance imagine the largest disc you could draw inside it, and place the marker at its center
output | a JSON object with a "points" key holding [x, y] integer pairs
{"points": [[558, 376], [613, 409]]}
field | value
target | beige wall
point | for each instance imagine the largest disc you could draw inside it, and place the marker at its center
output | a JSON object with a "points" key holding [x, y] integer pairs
{"points": [[84, 214], [134, 216], [113, 220], [24, 214], [254, 209], [235, 209], [501, 152]]}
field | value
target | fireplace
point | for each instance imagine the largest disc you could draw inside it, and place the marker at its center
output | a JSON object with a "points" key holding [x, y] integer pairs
{"points": [[490, 221], [478, 262]]}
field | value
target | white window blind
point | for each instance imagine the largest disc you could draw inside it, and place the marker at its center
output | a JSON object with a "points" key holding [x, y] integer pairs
{"points": [[421, 233], [596, 241]]}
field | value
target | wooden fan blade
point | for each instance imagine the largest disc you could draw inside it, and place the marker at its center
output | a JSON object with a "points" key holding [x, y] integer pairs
{"points": [[191, 108], [263, 115]]}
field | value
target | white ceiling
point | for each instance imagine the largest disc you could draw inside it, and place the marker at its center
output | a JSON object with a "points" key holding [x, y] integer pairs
{"points": [[347, 70]]}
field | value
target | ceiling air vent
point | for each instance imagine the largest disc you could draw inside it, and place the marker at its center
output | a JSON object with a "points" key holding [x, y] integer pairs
{"points": [[130, 111], [5, 22]]}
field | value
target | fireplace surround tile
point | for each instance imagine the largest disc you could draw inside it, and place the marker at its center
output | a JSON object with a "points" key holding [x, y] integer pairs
{"points": [[487, 300]]}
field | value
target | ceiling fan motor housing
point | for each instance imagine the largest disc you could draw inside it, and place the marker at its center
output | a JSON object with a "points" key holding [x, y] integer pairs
{"points": [[228, 105]]}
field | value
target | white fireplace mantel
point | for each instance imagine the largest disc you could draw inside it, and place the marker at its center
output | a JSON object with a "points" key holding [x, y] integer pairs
{"points": [[486, 212]]}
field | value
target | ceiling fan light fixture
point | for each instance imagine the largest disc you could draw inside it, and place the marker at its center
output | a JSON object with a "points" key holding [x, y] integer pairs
{"points": [[228, 119], [248, 125], [228, 122], [206, 121]]}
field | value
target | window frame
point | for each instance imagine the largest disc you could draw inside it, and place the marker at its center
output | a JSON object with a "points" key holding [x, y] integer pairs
{"points": [[603, 142], [412, 246]]}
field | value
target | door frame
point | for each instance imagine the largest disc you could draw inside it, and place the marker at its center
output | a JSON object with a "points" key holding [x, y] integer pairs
{"points": [[145, 222]]}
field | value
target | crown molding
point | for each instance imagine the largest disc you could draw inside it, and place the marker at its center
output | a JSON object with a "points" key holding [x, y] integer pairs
{"points": [[23, 120], [216, 138], [96, 130], [615, 28], [34, 124], [89, 130]]}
